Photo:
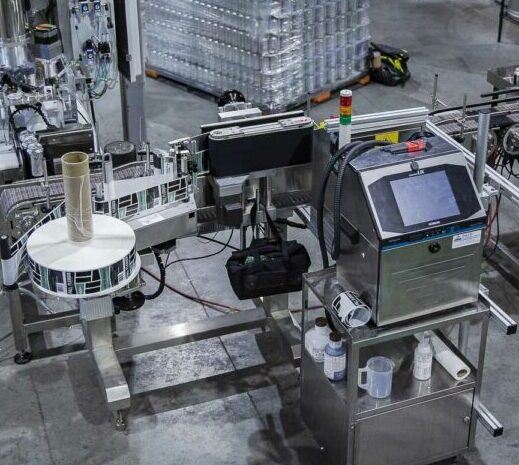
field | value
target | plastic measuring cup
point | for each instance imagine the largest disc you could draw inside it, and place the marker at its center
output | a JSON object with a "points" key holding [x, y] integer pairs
{"points": [[379, 377]]}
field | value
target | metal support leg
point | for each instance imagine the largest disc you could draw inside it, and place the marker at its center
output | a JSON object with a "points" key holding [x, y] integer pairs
{"points": [[463, 337], [308, 104], [98, 335], [277, 302], [132, 103], [243, 237], [481, 150], [114, 325], [21, 342], [479, 379], [501, 21]]}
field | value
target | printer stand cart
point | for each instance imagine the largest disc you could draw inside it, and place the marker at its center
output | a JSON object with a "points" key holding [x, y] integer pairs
{"points": [[422, 422]]}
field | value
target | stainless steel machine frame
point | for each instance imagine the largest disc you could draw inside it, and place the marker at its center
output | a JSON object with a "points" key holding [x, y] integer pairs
{"points": [[176, 220], [422, 422], [29, 323]]}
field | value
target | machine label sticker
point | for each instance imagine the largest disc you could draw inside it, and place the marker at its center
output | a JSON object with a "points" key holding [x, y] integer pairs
{"points": [[392, 137], [83, 282], [466, 239], [126, 207]]}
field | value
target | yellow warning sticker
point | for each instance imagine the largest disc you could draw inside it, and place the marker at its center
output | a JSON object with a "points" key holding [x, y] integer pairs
{"points": [[321, 125], [391, 136]]}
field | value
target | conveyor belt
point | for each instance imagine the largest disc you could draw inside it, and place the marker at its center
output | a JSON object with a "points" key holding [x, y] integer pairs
{"points": [[14, 195], [291, 199], [450, 122]]}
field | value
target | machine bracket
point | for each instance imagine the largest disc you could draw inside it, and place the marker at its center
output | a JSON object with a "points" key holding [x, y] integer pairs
{"points": [[505, 321], [491, 423]]}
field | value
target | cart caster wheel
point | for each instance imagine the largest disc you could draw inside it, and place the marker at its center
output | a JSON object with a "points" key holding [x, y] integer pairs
{"points": [[21, 358], [120, 421]]}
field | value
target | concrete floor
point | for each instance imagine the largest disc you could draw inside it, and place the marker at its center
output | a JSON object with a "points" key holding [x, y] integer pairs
{"points": [[234, 400]]}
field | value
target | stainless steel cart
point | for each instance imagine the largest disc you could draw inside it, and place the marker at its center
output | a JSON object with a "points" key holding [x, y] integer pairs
{"points": [[422, 421]]}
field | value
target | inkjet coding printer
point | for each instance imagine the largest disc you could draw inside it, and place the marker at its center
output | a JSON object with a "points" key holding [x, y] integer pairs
{"points": [[408, 237], [419, 250]]}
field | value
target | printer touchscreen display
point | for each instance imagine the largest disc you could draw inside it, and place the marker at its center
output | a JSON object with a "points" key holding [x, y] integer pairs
{"points": [[425, 198]]}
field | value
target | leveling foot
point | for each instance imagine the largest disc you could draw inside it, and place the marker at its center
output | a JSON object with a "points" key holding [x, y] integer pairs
{"points": [[21, 358], [120, 420]]}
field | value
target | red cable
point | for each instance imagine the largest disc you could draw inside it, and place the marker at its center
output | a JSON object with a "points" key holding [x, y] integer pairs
{"points": [[198, 300]]}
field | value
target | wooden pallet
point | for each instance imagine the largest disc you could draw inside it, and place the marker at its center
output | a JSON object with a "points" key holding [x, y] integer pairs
{"points": [[326, 95], [152, 73], [319, 97]]}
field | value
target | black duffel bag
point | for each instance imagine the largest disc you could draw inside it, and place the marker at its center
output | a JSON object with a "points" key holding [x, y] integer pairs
{"points": [[268, 267], [393, 69]]}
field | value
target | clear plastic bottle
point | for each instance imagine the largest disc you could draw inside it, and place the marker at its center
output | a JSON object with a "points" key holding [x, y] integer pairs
{"points": [[316, 339], [335, 358], [423, 360]]}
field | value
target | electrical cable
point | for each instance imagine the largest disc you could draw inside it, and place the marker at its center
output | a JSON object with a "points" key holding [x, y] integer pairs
{"points": [[420, 135], [37, 299], [211, 304], [208, 239], [498, 234], [216, 241], [352, 154], [92, 110], [5, 336], [162, 279], [321, 199], [292, 224], [36, 108], [495, 218], [225, 246], [50, 9], [214, 305], [320, 212], [511, 90]]}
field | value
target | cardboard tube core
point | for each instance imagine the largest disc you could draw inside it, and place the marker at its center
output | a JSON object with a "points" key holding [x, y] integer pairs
{"points": [[78, 196]]}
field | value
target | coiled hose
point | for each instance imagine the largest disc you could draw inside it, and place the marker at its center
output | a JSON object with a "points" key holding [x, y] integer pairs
{"points": [[322, 194], [320, 213], [351, 155], [162, 281]]}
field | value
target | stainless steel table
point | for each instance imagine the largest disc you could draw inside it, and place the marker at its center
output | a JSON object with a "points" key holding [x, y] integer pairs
{"points": [[422, 421]]}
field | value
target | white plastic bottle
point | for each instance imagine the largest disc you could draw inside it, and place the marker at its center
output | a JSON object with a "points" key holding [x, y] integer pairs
{"points": [[316, 339], [423, 360]]}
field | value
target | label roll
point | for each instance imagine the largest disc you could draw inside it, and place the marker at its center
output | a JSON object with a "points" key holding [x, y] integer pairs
{"points": [[456, 367], [78, 196]]}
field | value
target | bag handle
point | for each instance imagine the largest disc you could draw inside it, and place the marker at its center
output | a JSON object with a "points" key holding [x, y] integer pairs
{"points": [[253, 215], [278, 238], [273, 227], [257, 260]]}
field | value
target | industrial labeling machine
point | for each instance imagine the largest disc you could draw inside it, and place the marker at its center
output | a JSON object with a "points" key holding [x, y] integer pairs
{"points": [[166, 196], [397, 199], [387, 260]]}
